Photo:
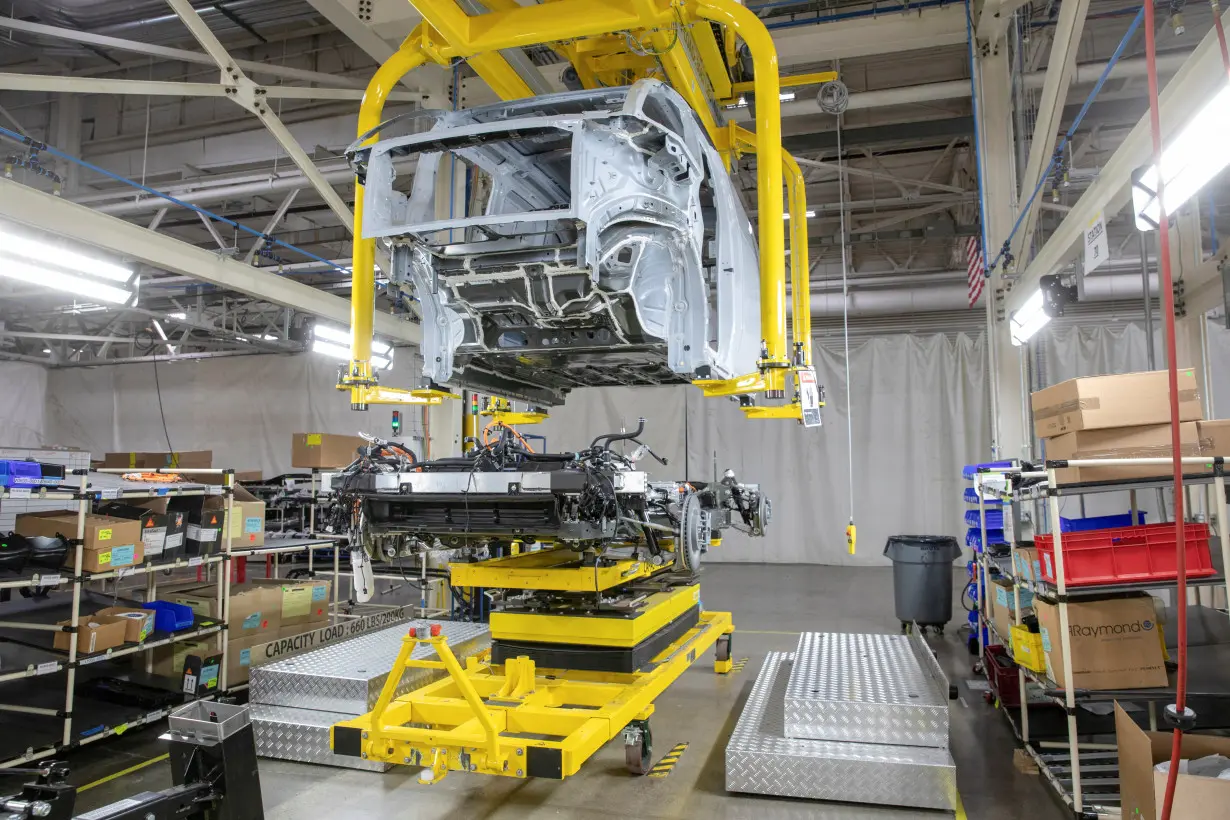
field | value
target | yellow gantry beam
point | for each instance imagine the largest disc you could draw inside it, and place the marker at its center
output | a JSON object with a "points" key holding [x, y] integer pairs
{"points": [[568, 25]]}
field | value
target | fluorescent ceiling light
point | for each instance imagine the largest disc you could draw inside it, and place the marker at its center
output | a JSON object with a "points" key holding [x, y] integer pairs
{"points": [[336, 334], [45, 253], [163, 334], [342, 353], [88, 289], [180, 315], [1031, 318], [1191, 159], [786, 96], [269, 337], [808, 214]]}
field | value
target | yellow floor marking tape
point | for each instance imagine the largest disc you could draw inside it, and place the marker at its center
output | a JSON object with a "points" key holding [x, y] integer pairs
{"points": [[123, 772], [664, 766]]}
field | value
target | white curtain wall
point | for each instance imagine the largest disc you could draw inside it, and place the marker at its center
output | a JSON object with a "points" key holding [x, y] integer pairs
{"points": [[919, 403], [244, 409], [920, 412], [23, 391]]}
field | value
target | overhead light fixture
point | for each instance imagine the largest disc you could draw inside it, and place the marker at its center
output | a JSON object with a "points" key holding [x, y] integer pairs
{"points": [[163, 334], [45, 253], [1191, 159], [1029, 319], [335, 342], [84, 288], [1047, 303], [180, 315], [786, 96], [808, 214]]}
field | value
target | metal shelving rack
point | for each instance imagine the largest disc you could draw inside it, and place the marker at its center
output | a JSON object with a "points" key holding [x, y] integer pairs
{"points": [[1064, 763], [70, 662]]}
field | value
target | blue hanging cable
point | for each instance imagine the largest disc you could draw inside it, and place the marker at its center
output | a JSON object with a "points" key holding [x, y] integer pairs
{"points": [[973, 96], [1140, 15], [13, 135]]}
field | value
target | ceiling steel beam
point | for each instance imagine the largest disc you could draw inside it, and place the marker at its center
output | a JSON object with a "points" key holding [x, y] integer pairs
{"points": [[885, 33], [174, 88], [247, 94], [1193, 85], [883, 175], [185, 55], [25, 205], [1058, 78]]}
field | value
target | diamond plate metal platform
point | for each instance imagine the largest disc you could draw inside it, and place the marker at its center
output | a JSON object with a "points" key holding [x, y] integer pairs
{"points": [[286, 733], [760, 759], [347, 676], [295, 701], [867, 689]]}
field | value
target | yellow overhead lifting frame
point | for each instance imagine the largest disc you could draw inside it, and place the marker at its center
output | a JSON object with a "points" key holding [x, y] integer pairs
{"points": [[595, 35]]}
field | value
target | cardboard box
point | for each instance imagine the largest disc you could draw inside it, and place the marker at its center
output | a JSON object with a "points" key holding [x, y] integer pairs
{"points": [[1151, 441], [252, 610], [1142, 789], [1214, 437], [188, 460], [239, 657], [300, 602], [205, 516], [110, 543], [323, 449], [95, 633], [1114, 643], [157, 529], [139, 622], [1028, 567], [168, 660], [1101, 402], [1001, 600], [248, 525]]}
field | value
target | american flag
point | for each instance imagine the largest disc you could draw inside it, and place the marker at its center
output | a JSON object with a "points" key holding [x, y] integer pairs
{"points": [[974, 269]]}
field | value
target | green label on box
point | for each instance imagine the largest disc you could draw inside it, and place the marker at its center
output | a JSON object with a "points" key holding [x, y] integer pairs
{"points": [[1046, 640], [252, 524], [123, 556], [253, 621], [245, 657], [319, 592]]}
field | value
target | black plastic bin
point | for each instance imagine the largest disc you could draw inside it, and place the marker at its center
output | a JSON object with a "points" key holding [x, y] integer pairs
{"points": [[922, 578]]}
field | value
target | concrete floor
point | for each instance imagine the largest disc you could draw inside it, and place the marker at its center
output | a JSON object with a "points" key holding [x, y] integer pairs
{"points": [[771, 605]]}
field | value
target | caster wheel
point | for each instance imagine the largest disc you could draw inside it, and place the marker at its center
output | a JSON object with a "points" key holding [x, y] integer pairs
{"points": [[722, 648], [978, 668], [939, 630], [638, 747], [989, 698]]}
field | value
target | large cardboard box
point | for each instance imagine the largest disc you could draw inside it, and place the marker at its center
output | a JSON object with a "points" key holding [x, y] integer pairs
{"points": [[1099, 402], [95, 633], [323, 449], [1028, 567], [1002, 602], [1151, 441], [300, 602], [1214, 437], [189, 460], [1142, 790], [110, 543], [253, 609], [239, 657], [157, 529], [139, 622], [248, 525], [168, 660], [1114, 643]]}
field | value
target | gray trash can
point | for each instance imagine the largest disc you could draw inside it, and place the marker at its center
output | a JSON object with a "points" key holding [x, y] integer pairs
{"points": [[922, 578]]}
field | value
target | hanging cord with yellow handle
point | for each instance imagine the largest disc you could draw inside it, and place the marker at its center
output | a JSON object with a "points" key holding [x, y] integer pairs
{"points": [[851, 530]]}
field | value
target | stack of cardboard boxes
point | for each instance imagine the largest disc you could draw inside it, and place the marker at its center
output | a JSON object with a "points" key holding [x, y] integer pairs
{"points": [[1125, 416], [259, 612], [1115, 642]]}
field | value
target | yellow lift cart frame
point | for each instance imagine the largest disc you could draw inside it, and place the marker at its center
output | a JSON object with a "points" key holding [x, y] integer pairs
{"points": [[595, 35]]}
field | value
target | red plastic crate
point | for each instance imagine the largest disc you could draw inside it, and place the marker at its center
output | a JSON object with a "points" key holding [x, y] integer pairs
{"points": [[1004, 676], [1126, 555]]}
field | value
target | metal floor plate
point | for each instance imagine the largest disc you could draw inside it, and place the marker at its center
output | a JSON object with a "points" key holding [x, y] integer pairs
{"points": [[347, 677], [761, 759], [866, 689], [285, 733]]}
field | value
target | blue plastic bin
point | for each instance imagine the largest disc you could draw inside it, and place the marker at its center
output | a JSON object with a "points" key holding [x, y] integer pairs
{"points": [[995, 519], [973, 538], [169, 617], [971, 497], [1100, 522], [971, 470]]}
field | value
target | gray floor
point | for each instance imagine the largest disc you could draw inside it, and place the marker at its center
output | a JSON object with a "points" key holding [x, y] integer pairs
{"points": [[771, 604]]}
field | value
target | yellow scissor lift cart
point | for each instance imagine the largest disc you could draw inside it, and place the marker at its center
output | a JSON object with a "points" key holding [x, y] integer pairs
{"points": [[559, 683]]}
